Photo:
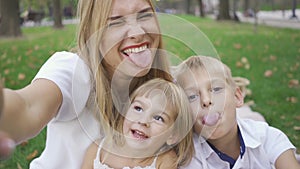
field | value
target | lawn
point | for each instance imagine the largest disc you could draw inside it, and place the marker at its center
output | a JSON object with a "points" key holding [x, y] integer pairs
{"points": [[269, 58]]}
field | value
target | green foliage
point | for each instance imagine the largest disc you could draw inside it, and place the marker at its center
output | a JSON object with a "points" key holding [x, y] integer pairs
{"points": [[270, 49]]}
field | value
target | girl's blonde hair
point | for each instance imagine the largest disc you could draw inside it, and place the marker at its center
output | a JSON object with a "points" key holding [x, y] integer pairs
{"points": [[178, 102], [93, 15], [210, 64]]}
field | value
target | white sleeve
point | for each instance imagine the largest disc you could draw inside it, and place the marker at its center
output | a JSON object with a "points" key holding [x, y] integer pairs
{"points": [[276, 143], [60, 68]]}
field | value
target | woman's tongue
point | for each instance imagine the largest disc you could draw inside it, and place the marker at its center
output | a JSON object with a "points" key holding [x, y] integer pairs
{"points": [[210, 119], [141, 59]]}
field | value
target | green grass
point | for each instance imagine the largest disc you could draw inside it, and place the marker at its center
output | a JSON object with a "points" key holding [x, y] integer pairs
{"points": [[274, 49]]}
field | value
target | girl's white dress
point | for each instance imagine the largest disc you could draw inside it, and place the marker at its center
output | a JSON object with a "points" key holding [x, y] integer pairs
{"points": [[99, 165]]}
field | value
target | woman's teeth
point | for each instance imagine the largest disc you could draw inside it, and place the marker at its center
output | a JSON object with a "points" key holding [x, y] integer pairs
{"points": [[135, 50]]}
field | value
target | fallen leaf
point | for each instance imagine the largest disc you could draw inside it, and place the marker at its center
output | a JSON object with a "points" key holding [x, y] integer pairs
{"points": [[21, 76], [239, 64], [24, 143], [292, 99], [268, 73], [293, 83], [297, 117], [273, 58], [6, 71], [247, 66], [32, 155], [244, 60], [297, 128], [19, 166], [237, 46]]}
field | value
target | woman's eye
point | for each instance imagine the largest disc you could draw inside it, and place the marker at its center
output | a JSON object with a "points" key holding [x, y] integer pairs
{"points": [[193, 97], [145, 16], [159, 118], [138, 108], [118, 22]]}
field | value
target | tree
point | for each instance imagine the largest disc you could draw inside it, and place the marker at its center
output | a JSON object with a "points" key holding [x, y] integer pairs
{"points": [[201, 6], [294, 9], [224, 10], [57, 14], [9, 18]]}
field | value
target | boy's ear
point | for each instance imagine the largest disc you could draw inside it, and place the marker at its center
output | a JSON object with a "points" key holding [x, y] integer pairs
{"points": [[173, 139], [239, 97]]}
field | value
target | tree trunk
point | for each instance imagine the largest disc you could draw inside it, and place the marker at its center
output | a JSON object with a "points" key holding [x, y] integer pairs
{"points": [[294, 9], [188, 5], [202, 13], [57, 14], [224, 10], [9, 18], [246, 6]]}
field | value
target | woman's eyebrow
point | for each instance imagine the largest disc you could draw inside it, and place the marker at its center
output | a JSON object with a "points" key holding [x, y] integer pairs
{"points": [[114, 18], [118, 17], [145, 10]]}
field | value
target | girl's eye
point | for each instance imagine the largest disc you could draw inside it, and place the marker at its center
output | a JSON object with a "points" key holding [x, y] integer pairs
{"points": [[159, 118], [138, 108], [193, 97], [145, 16]]}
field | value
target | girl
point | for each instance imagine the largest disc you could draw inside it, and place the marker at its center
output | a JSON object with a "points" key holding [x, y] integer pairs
{"points": [[155, 131]]}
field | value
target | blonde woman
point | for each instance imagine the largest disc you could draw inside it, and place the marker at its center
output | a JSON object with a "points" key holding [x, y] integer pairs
{"points": [[118, 49]]}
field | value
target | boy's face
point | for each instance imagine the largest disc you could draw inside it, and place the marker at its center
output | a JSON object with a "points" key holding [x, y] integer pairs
{"points": [[213, 102]]}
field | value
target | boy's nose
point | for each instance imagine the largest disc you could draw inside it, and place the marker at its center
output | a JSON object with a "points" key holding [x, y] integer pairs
{"points": [[206, 101]]}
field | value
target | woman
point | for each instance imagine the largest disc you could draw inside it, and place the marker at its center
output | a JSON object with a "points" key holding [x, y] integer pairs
{"points": [[118, 47]]}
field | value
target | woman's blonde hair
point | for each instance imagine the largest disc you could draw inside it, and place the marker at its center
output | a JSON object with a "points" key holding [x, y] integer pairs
{"points": [[93, 15], [178, 102]]}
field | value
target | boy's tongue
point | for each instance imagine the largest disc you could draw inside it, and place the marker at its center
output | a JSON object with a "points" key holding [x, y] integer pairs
{"points": [[210, 119], [141, 59]]}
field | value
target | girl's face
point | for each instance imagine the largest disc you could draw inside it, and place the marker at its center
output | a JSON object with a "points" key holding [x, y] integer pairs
{"points": [[131, 37], [213, 103], [148, 123]]}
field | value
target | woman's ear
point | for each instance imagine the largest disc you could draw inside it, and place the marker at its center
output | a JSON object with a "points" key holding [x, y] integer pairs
{"points": [[239, 97]]}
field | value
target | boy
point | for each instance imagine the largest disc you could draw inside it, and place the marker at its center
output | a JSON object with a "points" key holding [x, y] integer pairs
{"points": [[221, 139]]}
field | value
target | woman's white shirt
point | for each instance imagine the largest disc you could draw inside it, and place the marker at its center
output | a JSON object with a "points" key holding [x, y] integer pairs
{"points": [[74, 128]]}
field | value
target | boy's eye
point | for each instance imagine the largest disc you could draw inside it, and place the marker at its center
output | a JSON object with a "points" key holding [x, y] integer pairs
{"points": [[193, 97], [159, 118], [138, 108], [216, 89], [145, 16]]}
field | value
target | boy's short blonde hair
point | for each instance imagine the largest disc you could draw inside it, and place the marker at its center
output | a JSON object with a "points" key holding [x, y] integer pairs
{"points": [[209, 64]]}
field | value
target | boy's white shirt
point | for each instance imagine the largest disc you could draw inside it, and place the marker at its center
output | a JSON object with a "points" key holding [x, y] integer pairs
{"points": [[74, 128], [263, 145]]}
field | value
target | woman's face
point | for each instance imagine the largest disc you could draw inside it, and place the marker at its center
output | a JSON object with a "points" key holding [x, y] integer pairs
{"points": [[131, 38]]}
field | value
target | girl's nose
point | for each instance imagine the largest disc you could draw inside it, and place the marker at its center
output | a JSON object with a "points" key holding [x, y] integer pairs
{"points": [[145, 124]]}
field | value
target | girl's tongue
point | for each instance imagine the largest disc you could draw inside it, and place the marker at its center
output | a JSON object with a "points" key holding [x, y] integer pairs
{"points": [[211, 119], [141, 59]]}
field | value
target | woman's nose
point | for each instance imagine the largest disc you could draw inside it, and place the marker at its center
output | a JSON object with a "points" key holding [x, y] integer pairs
{"points": [[135, 31]]}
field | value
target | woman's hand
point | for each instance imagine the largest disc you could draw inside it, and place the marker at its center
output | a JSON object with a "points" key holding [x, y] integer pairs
{"points": [[7, 145]]}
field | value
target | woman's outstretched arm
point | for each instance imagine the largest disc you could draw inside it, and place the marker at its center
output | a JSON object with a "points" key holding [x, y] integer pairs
{"points": [[28, 110]]}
